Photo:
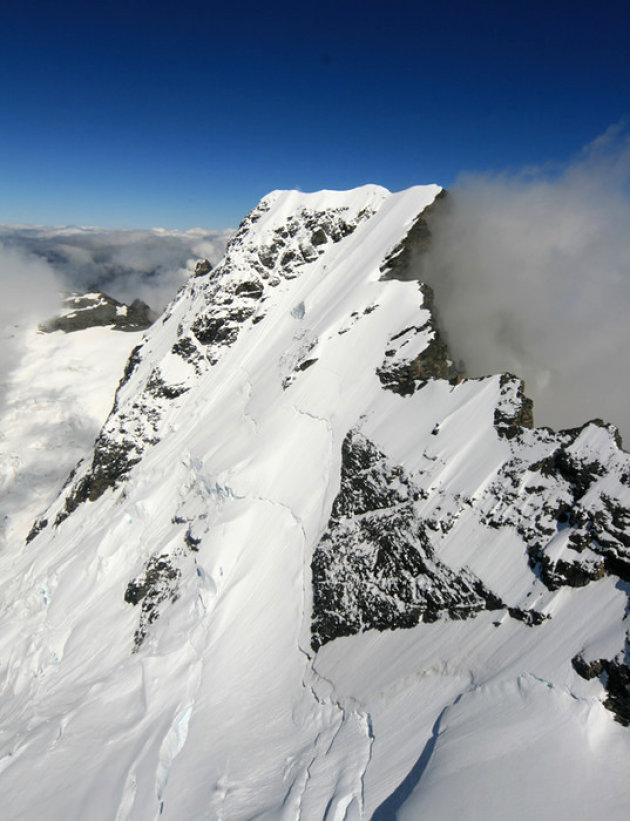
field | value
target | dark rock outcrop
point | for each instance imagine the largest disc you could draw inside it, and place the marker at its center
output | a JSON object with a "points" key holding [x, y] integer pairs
{"points": [[98, 309], [202, 268], [615, 678], [402, 262], [563, 494], [404, 373], [512, 416], [374, 567], [158, 584], [111, 463]]}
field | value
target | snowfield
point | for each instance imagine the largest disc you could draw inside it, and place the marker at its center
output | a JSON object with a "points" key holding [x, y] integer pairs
{"points": [[308, 569]]}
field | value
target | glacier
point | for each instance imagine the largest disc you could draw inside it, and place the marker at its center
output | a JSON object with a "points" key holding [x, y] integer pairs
{"points": [[309, 569]]}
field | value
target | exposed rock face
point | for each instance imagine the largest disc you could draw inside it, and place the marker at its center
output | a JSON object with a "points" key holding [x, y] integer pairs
{"points": [[157, 584], [301, 238], [403, 370], [203, 267], [574, 530], [88, 310], [401, 262], [235, 296], [615, 677], [400, 371], [111, 462], [514, 411], [374, 566]]}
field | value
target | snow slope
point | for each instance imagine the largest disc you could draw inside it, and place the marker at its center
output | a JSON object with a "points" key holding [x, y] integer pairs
{"points": [[312, 571]]}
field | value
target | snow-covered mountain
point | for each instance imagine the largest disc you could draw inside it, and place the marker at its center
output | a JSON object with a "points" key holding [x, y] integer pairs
{"points": [[96, 309], [310, 570]]}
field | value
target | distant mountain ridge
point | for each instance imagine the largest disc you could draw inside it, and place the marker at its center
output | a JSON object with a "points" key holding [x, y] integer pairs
{"points": [[89, 310]]}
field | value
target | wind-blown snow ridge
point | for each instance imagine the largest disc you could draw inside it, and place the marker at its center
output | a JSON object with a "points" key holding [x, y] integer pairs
{"points": [[204, 623]]}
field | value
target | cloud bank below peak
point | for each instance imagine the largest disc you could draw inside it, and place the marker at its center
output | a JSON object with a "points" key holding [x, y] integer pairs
{"points": [[38, 263], [127, 264]]}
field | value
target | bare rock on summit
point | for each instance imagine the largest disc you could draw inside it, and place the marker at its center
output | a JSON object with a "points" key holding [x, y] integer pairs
{"points": [[402, 262]]}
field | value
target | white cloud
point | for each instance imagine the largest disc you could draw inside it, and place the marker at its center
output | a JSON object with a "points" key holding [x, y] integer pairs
{"points": [[149, 265], [29, 292], [37, 263], [532, 274]]}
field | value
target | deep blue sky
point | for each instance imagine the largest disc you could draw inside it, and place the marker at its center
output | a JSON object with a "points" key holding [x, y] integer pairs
{"points": [[140, 114]]}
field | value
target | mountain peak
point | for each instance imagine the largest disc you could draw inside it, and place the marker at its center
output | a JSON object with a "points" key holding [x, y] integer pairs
{"points": [[311, 569], [88, 310]]}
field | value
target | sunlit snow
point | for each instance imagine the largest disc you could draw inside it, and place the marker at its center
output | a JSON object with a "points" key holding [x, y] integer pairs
{"points": [[207, 701]]}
